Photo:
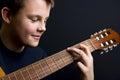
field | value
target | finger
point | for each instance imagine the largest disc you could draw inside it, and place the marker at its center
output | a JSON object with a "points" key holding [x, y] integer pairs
{"points": [[85, 49], [76, 51], [82, 56], [81, 66]]}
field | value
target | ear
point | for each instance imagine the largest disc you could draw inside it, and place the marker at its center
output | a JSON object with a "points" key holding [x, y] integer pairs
{"points": [[6, 14]]}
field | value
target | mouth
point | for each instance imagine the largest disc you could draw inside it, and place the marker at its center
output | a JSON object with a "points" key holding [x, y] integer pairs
{"points": [[36, 37]]}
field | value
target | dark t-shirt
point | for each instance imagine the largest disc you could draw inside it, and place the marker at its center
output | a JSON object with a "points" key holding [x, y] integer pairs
{"points": [[11, 61]]}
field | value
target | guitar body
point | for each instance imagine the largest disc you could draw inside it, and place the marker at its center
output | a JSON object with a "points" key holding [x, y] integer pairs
{"points": [[2, 73]]}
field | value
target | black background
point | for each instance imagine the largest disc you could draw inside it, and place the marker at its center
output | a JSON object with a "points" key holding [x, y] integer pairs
{"points": [[73, 21]]}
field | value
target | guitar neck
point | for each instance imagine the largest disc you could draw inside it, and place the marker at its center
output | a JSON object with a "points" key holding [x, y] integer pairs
{"points": [[45, 67]]}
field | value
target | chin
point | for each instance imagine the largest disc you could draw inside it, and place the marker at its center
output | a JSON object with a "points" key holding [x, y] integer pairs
{"points": [[33, 45]]}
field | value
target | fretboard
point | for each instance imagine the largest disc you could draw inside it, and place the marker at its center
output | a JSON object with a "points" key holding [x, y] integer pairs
{"points": [[45, 67]]}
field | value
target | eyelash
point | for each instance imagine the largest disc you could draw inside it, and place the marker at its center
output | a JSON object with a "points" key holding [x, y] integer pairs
{"points": [[37, 20], [34, 20]]}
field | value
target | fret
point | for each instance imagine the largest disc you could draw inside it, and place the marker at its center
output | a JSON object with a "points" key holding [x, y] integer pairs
{"points": [[15, 76], [89, 44], [31, 72], [66, 57], [11, 76], [18, 75], [22, 75], [35, 71], [39, 71], [25, 74], [55, 63], [28, 73], [53, 67], [67, 60], [44, 67], [5, 78], [48, 66], [58, 60]]}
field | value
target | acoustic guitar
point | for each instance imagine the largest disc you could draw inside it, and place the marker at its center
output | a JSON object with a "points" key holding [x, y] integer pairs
{"points": [[103, 40]]}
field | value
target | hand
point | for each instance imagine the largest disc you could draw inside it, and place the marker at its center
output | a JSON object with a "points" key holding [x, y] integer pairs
{"points": [[86, 61]]}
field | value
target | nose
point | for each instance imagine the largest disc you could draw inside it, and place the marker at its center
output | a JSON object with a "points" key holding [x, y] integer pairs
{"points": [[42, 27]]}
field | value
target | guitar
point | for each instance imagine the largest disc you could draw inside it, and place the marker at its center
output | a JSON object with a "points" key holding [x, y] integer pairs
{"points": [[103, 40]]}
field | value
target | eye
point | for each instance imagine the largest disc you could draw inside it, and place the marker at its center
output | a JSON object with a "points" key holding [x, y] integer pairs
{"points": [[34, 19]]}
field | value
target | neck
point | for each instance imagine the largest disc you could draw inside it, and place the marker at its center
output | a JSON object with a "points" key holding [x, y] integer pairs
{"points": [[9, 40]]}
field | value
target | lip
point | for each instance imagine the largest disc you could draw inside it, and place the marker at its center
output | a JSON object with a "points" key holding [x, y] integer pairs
{"points": [[36, 37]]}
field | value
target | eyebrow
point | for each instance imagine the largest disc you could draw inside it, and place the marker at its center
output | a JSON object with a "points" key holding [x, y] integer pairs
{"points": [[34, 15]]}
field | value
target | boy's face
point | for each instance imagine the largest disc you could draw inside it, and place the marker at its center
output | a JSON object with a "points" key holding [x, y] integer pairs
{"points": [[29, 23]]}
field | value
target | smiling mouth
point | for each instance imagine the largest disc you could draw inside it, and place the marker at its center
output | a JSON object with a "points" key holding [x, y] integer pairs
{"points": [[36, 37]]}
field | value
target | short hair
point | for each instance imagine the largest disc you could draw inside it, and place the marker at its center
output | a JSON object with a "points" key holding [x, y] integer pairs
{"points": [[16, 5]]}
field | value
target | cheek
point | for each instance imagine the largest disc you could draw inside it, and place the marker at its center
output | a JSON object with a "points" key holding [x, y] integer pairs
{"points": [[28, 27]]}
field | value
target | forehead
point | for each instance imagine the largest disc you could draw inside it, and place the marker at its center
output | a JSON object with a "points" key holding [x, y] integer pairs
{"points": [[35, 2], [36, 6]]}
